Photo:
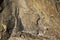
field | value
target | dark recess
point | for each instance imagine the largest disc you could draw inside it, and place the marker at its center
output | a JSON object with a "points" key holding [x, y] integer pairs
{"points": [[1, 5]]}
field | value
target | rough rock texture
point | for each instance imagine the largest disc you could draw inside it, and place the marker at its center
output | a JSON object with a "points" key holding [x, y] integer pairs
{"points": [[30, 20]]}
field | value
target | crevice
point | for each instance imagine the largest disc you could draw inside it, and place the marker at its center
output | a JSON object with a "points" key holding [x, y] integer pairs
{"points": [[1, 1], [37, 25], [1, 5], [19, 24], [9, 20]]}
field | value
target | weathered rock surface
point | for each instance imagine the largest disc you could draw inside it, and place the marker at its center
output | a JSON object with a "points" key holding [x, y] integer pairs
{"points": [[30, 20]]}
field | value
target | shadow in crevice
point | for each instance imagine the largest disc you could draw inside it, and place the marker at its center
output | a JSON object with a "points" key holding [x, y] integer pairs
{"points": [[1, 1], [20, 26], [19, 22], [1, 5], [10, 26]]}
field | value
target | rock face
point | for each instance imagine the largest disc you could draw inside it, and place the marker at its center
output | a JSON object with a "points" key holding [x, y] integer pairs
{"points": [[30, 20]]}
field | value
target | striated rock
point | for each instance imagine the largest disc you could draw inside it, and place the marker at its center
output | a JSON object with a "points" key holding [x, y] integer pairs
{"points": [[30, 20]]}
